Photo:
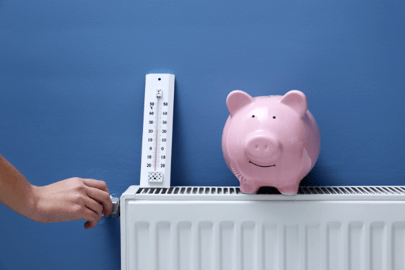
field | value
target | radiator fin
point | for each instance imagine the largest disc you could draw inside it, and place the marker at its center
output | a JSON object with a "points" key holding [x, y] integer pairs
{"points": [[141, 259], [334, 246], [270, 244], [291, 240], [205, 246], [378, 248], [398, 236], [163, 245], [312, 247], [355, 239], [248, 245], [226, 245], [183, 247]]}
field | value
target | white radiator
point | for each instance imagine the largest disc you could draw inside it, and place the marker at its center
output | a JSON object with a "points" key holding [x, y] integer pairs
{"points": [[321, 228]]}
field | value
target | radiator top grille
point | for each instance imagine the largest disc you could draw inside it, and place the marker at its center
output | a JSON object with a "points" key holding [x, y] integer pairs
{"points": [[305, 190]]}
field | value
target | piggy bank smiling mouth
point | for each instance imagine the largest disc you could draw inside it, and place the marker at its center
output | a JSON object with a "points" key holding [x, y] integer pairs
{"points": [[274, 165]]}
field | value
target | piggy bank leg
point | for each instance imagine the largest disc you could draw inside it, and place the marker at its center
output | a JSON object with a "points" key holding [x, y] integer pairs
{"points": [[289, 190], [248, 187]]}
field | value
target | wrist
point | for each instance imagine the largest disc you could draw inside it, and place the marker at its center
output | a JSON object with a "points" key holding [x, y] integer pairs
{"points": [[34, 203]]}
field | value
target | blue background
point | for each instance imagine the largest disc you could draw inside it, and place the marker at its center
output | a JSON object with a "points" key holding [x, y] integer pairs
{"points": [[72, 76]]}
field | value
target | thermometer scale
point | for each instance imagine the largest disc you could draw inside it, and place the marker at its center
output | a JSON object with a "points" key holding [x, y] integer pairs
{"points": [[157, 130]]}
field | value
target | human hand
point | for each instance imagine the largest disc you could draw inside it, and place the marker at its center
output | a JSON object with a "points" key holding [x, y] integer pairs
{"points": [[72, 199]]}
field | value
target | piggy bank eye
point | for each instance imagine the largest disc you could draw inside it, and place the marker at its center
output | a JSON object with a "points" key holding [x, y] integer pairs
{"points": [[253, 116], [274, 117]]}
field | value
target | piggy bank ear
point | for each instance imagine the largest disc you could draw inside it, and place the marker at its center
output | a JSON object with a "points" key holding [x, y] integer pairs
{"points": [[297, 101], [236, 100]]}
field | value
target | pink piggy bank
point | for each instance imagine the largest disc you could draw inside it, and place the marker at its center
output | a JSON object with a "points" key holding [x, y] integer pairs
{"points": [[270, 141]]}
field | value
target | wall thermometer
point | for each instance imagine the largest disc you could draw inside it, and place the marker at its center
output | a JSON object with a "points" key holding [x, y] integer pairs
{"points": [[157, 130]]}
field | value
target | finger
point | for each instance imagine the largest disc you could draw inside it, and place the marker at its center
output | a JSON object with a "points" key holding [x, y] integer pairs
{"points": [[102, 197], [91, 217], [94, 206], [87, 225], [96, 184]]}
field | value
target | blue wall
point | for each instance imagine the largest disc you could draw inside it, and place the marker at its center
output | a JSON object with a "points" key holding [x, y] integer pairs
{"points": [[72, 76]]}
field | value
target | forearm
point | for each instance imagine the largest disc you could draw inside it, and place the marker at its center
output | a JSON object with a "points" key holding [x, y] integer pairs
{"points": [[15, 191]]}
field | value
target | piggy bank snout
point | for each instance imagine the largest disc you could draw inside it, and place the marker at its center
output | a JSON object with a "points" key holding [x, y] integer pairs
{"points": [[262, 147]]}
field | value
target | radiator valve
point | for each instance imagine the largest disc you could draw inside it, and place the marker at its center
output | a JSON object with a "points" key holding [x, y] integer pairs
{"points": [[116, 207]]}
